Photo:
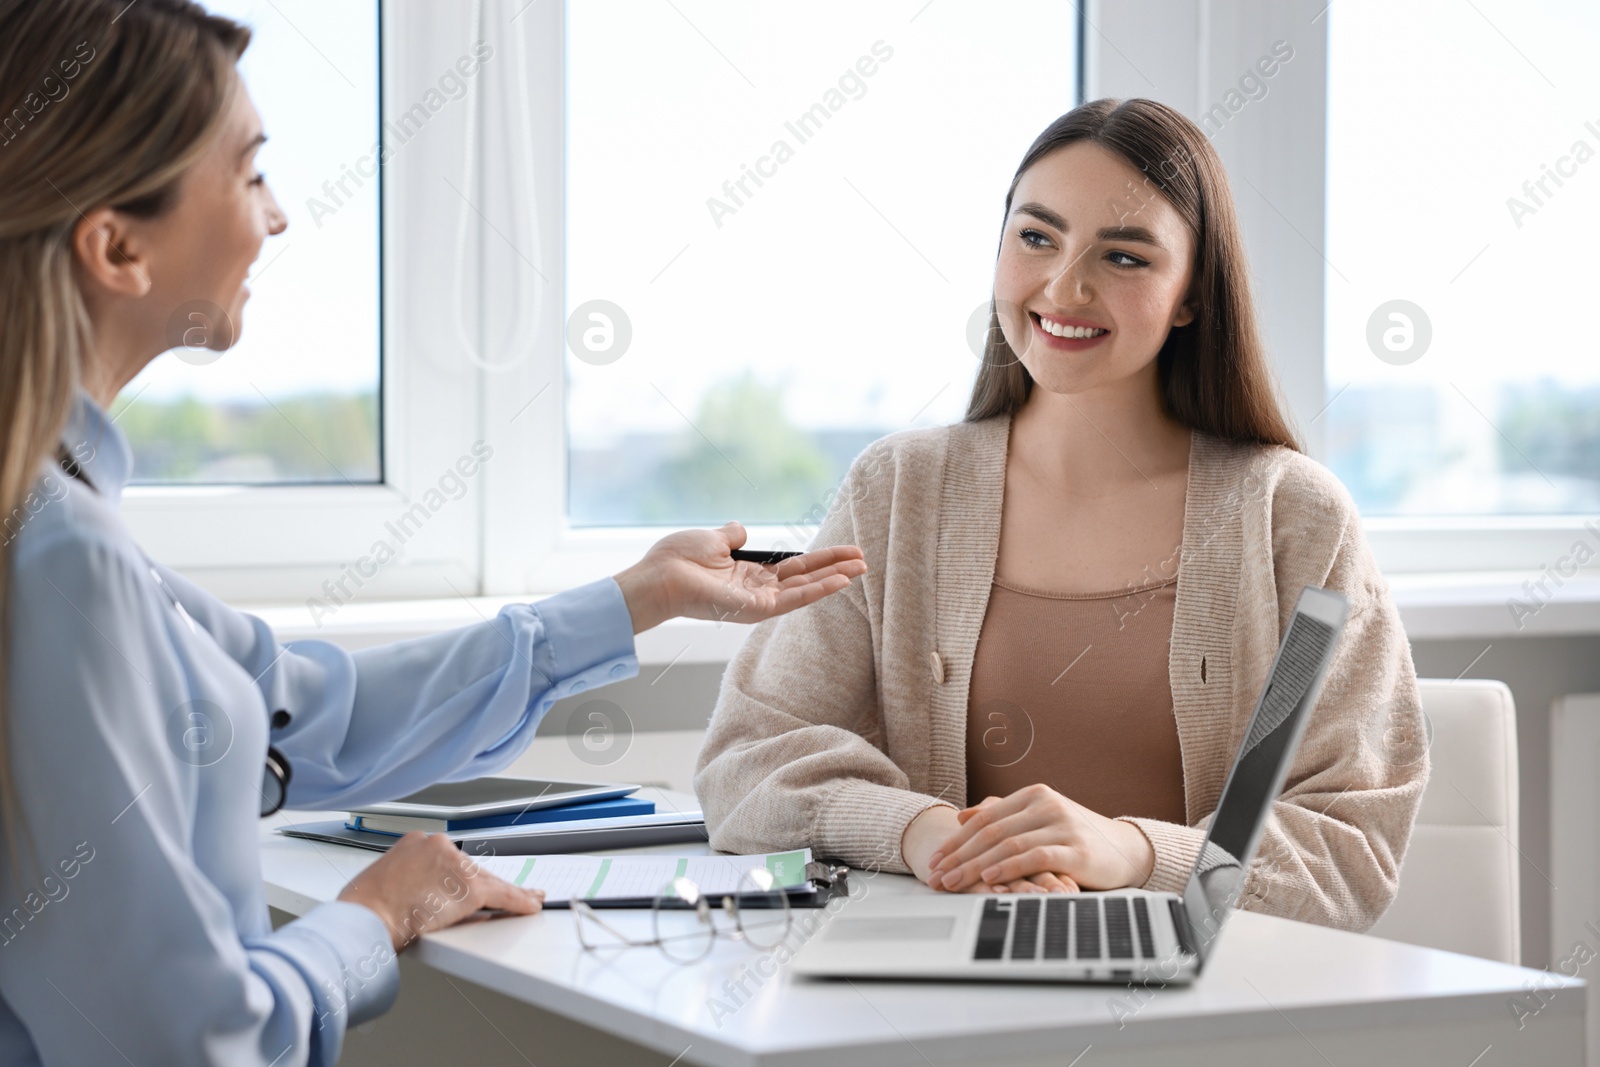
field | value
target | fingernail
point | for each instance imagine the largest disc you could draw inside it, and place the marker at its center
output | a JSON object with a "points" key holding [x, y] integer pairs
{"points": [[933, 860], [951, 880], [990, 874]]}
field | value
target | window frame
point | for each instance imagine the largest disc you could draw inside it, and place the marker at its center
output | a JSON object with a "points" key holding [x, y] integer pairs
{"points": [[280, 544]]}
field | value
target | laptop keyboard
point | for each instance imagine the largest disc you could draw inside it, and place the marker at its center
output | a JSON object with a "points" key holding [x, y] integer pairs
{"points": [[1059, 927]]}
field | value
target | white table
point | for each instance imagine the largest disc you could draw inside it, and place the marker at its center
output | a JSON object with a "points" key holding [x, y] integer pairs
{"points": [[1275, 991]]}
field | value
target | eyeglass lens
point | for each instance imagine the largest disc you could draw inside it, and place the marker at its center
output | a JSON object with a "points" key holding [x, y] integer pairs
{"points": [[686, 922]]}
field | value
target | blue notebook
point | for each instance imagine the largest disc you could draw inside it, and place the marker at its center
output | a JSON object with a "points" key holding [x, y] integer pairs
{"points": [[398, 825]]}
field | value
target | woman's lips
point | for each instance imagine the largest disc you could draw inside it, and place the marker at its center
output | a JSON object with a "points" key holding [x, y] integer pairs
{"points": [[1064, 344]]}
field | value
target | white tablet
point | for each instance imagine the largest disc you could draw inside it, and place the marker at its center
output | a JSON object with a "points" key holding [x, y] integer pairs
{"points": [[494, 796]]}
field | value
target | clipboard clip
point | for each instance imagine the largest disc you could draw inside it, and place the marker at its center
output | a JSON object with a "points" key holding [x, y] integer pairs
{"points": [[830, 879]]}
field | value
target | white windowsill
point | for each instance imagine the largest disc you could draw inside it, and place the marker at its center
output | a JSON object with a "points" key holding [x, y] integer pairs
{"points": [[1432, 606]]}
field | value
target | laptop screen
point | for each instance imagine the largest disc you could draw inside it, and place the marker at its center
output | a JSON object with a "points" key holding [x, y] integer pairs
{"points": [[1263, 762]]}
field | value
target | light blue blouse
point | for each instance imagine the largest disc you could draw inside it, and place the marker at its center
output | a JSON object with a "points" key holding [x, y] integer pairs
{"points": [[138, 733]]}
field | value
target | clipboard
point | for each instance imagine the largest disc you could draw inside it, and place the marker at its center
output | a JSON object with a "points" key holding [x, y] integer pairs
{"points": [[824, 882]]}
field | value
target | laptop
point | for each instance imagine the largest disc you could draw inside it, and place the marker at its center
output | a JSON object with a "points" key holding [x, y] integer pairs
{"points": [[1112, 936]]}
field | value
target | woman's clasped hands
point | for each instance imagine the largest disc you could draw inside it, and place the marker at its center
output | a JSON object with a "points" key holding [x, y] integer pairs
{"points": [[1033, 841]]}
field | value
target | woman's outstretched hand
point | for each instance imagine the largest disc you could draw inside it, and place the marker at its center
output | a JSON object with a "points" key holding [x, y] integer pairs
{"points": [[693, 573]]}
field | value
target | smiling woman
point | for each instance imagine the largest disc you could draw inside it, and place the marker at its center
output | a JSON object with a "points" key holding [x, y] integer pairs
{"points": [[1152, 164], [1075, 594], [49, 169], [143, 717]]}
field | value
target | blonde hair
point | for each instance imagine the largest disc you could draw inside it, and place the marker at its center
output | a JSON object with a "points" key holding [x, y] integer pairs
{"points": [[102, 103]]}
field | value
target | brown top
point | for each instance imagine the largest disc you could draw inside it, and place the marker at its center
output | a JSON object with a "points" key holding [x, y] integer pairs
{"points": [[1071, 689]]}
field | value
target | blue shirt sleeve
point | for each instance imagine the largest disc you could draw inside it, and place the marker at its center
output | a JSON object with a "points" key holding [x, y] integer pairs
{"points": [[380, 723]]}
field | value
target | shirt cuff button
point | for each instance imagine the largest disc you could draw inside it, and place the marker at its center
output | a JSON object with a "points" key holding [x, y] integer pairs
{"points": [[579, 686], [618, 670]]}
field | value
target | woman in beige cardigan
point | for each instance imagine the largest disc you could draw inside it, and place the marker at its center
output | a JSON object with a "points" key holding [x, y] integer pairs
{"points": [[1075, 595]]}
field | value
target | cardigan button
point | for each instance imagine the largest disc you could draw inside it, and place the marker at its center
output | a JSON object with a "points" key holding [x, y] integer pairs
{"points": [[938, 668]]}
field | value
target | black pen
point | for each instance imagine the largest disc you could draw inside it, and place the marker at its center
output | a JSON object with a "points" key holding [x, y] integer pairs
{"points": [[746, 555]]}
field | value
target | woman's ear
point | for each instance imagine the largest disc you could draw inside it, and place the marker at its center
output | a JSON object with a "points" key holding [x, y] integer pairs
{"points": [[109, 256], [1186, 310]]}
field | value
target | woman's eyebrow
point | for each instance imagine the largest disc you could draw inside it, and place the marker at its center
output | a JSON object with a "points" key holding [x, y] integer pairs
{"points": [[1042, 213], [1136, 234], [258, 139], [1110, 233]]}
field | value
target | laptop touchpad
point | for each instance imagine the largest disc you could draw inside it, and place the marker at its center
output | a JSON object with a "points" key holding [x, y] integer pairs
{"points": [[910, 928]]}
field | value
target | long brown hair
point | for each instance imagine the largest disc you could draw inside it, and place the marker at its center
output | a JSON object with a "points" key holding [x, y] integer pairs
{"points": [[102, 103], [1213, 372]]}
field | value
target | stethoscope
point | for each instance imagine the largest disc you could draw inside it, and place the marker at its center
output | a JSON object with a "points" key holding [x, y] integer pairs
{"points": [[275, 777]]}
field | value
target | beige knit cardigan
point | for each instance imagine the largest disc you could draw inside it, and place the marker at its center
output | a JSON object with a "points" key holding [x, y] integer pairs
{"points": [[838, 724]]}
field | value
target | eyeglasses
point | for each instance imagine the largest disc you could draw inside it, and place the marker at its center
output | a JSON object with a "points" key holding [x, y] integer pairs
{"points": [[684, 922]]}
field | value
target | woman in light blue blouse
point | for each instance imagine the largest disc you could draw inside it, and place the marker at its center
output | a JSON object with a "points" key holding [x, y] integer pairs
{"points": [[132, 922]]}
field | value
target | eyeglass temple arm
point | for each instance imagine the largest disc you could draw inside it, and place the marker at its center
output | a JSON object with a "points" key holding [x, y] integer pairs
{"points": [[583, 909]]}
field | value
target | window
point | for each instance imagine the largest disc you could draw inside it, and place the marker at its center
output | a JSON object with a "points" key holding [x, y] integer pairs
{"points": [[698, 301], [775, 254], [1463, 193], [327, 455], [296, 400]]}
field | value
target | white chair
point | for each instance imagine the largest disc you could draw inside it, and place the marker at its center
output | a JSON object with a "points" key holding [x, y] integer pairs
{"points": [[1574, 868], [1459, 887]]}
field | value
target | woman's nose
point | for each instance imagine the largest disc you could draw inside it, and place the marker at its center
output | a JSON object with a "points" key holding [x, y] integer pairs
{"points": [[277, 221], [1070, 285]]}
